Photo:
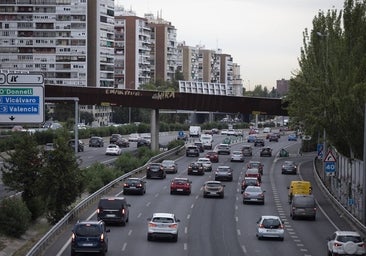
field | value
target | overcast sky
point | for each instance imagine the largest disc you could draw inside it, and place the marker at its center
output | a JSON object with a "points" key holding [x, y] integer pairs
{"points": [[263, 36]]}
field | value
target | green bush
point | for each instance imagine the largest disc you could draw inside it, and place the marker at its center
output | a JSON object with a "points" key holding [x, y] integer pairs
{"points": [[175, 143], [14, 217], [97, 176]]}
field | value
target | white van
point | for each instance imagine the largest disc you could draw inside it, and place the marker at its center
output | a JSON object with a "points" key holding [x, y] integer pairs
{"points": [[194, 131], [206, 140]]}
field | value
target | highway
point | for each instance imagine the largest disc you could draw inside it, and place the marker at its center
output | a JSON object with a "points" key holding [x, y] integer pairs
{"points": [[211, 226]]}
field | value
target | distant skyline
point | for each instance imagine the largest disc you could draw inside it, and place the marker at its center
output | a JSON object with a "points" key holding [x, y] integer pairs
{"points": [[263, 36]]}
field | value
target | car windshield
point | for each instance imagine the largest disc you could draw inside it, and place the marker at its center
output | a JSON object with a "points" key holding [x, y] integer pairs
{"points": [[344, 239], [213, 185], [271, 223], [163, 220], [223, 169], [133, 182], [167, 162], [87, 230], [253, 189], [180, 181]]}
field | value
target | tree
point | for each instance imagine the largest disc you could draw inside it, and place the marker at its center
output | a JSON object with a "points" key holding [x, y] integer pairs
{"points": [[22, 171], [86, 117]]}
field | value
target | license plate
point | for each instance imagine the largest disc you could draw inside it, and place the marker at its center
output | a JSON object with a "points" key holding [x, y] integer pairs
{"points": [[110, 215], [212, 193], [87, 244], [179, 189]]}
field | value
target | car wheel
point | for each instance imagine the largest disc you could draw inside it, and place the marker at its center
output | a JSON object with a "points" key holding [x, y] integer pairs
{"points": [[204, 196], [175, 238], [282, 238], [125, 192], [149, 238], [123, 223], [73, 253], [142, 192], [171, 192]]}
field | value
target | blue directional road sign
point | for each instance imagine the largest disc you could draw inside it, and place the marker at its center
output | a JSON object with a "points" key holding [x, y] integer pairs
{"points": [[319, 149]]}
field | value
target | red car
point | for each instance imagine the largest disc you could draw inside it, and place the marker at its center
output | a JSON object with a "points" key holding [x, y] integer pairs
{"points": [[213, 156], [180, 185], [249, 181], [256, 164], [254, 173]]}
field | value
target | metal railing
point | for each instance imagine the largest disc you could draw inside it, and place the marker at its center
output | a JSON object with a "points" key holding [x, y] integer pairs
{"points": [[70, 217]]}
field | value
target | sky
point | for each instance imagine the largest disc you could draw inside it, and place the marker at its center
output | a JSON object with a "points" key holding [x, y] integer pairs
{"points": [[264, 37]]}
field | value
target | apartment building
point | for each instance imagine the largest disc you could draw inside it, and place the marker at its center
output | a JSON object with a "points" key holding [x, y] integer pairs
{"points": [[132, 50]]}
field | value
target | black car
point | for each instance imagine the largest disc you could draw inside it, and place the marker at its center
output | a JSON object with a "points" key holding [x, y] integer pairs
{"points": [[155, 170], [143, 143], [96, 142], [114, 137], [259, 142], [289, 167], [122, 143], [80, 145], [200, 146], [192, 150], [195, 168], [89, 237], [266, 151], [273, 137], [134, 186], [113, 210]]}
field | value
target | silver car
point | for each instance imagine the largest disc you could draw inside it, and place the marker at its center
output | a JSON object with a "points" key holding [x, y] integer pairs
{"points": [[237, 156], [163, 225], [253, 194], [206, 162], [170, 166], [346, 243], [270, 226]]}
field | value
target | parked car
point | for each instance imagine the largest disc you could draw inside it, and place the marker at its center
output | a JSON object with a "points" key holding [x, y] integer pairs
{"points": [[170, 166], [206, 162], [113, 149], [253, 194], [237, 156], [80, 145], [114, 137], [123, 143], [271, 227], [266, 151], [249, 181], [303, 206], [96, 142], [213, 189], [180, 185], [346, 243], [256, 164], [259, 142], [224, 172], [213, 156], [134, 186], [195, 168], [89, 237], [192, 150], [289, 167], [113, 210], [163, 225], [223, 149], [155, 170], [247, 150]]}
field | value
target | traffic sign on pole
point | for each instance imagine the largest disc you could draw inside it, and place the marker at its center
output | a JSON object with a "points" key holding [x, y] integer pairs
{"points": [[329, 157], [22, 99]]}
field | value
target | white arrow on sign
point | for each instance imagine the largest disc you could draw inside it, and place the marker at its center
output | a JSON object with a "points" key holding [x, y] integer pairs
{"points": [[329, 157]]}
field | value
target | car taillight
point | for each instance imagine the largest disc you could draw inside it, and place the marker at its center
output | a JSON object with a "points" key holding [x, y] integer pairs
{"points": [[73, 237], [173, 226], [245, 194], [125, 185], [337, 244], [281, 226], [361, 245], [99, 210], [139, 185], [152, 225], [102, 237], [123, 211], [261, 195], [261, 226]]}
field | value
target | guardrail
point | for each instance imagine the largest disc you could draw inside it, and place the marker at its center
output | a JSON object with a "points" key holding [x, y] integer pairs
{"points": [[70, 217]]}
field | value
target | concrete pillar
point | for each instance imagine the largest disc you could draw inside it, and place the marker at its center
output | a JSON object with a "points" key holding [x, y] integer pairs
{"points": [[155, 129]]}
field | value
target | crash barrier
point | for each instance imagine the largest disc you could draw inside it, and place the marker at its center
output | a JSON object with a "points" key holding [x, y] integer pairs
{"points": [[71, 216]]}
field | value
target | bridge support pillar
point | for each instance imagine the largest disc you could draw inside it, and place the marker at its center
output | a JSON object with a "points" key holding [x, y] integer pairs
{"points": [[155, 129]]}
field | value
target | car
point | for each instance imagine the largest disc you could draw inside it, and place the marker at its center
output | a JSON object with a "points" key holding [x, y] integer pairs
{"points": [[206, 162], [223, 132], [122, 143], [231, 132], [213, 189], [259, 142], [253, 194], [80, 147], [192, 150], [155, 170], [266, 151], [289, 167], [113, 209], [292, 137], [114, 137], [273, 137], [224, 172], [247, 150], [215, 131], [254, 173], [180, 185], [49, 147], [200, 146], [223, 149], [346, 243], [299, 187], [163, 225], [270, 226], [195, 168], [213, 156], [89, 237], [267, 129], [170, 166], [96, 142], [133, 137], [256, 164], [134, 186], [251, 138], [303, 206], [237, 156], [113, 149], [143, 142], [249, 181]]}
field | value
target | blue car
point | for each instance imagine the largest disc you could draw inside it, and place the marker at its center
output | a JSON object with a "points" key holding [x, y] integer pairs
{"points": [[251, 138], [292, 137]]}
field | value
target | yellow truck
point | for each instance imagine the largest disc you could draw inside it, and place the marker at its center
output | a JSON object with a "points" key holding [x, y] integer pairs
{"points": [[296, 187]]}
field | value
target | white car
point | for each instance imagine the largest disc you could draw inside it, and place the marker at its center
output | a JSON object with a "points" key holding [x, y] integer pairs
{"points": [[206, 162], [134, 137], [113, 149], [271, 227], [237, 156], [163, 225], [346, 243]]}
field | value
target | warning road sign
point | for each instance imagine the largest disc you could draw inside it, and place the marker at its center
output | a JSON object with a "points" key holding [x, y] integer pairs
{"points": [[329, 157]]}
